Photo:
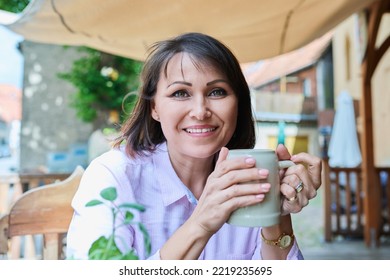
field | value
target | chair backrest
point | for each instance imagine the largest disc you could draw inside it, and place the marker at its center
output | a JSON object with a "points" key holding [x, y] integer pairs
{"points": [[4, 234], [45, 210]]}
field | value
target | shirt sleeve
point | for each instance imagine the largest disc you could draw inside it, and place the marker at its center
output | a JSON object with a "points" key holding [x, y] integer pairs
{"points": [[156, 256], [295, 253], [90, 223]]}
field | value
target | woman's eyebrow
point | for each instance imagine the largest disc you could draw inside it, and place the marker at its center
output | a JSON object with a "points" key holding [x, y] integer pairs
{"points": [[217, 81], [190, 84], [180, 82]]}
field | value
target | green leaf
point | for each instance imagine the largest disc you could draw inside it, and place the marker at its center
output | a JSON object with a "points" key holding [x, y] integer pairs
{"points": [[137, 206], [109, 194], [93, 203], [14, 6], [128, 218], [147, 242], [130, 256], [104, 249]]}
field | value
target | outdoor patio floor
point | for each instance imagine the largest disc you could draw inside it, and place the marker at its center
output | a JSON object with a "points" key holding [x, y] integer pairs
{"points": [[309, 231]]}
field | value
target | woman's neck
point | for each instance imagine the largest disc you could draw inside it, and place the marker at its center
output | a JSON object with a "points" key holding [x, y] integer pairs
{"points": [[192, 172]]}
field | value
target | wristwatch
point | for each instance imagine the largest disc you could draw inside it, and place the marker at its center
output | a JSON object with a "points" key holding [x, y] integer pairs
{"points": [[283, 241]]}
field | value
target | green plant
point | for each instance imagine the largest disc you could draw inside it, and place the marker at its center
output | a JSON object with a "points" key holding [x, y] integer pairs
{"points": [[102, 81], [14, 6], [105, 248]]}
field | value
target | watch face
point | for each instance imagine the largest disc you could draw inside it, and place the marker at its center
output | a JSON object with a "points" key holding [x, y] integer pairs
{"points": [[285, 241]]}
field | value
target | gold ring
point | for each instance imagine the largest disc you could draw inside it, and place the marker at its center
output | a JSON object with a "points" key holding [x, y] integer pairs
{"points": [[299, 187], [291, 199]]}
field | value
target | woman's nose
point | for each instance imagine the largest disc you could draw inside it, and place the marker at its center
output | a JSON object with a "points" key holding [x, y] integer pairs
{"points": [[199, 109]]}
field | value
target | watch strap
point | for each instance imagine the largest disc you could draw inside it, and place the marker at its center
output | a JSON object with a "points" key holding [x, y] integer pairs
{"points": [[277, 241]]}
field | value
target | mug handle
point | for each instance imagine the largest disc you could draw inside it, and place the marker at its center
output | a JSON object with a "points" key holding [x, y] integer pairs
{"points": [[283, 164]]}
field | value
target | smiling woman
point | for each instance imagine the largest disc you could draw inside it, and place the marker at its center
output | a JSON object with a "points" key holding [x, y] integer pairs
{"points": [[172, 157]]}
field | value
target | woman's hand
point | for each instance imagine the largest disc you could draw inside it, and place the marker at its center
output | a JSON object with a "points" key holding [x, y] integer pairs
{"points": [[299, 183], [224, 191]]}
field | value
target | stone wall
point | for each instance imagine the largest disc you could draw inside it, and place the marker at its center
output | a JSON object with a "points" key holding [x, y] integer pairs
{"points": [[50, 129]]}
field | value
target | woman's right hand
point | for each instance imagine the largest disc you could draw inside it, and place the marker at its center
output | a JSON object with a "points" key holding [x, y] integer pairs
{"points": [[226, 190]]}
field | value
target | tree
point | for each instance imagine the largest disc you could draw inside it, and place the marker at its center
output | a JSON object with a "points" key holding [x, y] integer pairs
{"points": [[103, 82], [13, 6]]}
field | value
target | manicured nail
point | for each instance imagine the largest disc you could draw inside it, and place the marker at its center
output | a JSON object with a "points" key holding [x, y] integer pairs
{"points": [[265, 187], [293, 157], [260, 196], [250, 160], [263, 172]]}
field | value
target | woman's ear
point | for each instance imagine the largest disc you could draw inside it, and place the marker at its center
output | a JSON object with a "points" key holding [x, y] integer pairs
{"points": [[155, 114]]}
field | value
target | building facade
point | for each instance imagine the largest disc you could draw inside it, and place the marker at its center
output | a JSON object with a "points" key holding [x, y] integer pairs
{"points": [[348, 49], [53, 139], [289, 92]]}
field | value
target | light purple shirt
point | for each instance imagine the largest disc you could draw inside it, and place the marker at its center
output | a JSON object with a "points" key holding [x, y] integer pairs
{"points": [[150, 181]]}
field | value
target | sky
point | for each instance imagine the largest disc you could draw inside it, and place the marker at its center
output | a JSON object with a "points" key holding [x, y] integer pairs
{"points": [[11, 60]]}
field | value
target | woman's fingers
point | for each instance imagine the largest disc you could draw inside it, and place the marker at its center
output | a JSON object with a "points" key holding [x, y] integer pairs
{"points": [[292, 202], [237, 170], [296, 175], [300, 182], [224, 165], [282, 152], [244, 190], [223, 153], [314, 166], [234, 183]]}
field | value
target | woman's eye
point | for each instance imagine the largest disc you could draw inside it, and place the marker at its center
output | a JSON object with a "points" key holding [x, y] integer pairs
{"points": [[180, 94], [218, 92]]}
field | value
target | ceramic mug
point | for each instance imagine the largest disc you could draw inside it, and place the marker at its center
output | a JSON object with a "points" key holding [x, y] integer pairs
{"points": [[267, 212]]}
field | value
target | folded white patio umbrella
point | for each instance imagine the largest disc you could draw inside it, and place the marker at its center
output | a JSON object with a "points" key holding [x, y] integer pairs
{"points": [[344, 150]]}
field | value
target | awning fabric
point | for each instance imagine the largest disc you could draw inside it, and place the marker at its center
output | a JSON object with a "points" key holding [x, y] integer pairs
{"points": [[253, 29]]}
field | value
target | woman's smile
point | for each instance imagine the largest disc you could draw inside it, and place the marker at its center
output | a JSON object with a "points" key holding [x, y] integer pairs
{"points": [[201, 130]]}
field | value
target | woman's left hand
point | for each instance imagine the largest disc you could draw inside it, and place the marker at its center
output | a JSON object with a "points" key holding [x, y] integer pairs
{"points": [[300, 182]]}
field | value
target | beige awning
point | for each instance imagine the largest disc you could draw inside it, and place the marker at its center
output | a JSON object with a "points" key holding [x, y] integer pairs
{"points": [[253, 29]]}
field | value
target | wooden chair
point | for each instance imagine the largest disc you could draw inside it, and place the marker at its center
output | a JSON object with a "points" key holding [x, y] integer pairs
{"points": [[44, 210]]}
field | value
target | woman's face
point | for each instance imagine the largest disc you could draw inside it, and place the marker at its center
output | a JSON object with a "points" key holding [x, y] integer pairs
{"points": [[196, 107]]}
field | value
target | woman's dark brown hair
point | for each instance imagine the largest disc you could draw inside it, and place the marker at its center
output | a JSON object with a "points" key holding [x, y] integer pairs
{"points": [[142, 133]]}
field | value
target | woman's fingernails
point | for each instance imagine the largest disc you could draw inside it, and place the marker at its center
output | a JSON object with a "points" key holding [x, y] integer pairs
{"points": [[263, 172], [250, 160], [265, 187], [293, 157], [260, 196]]}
